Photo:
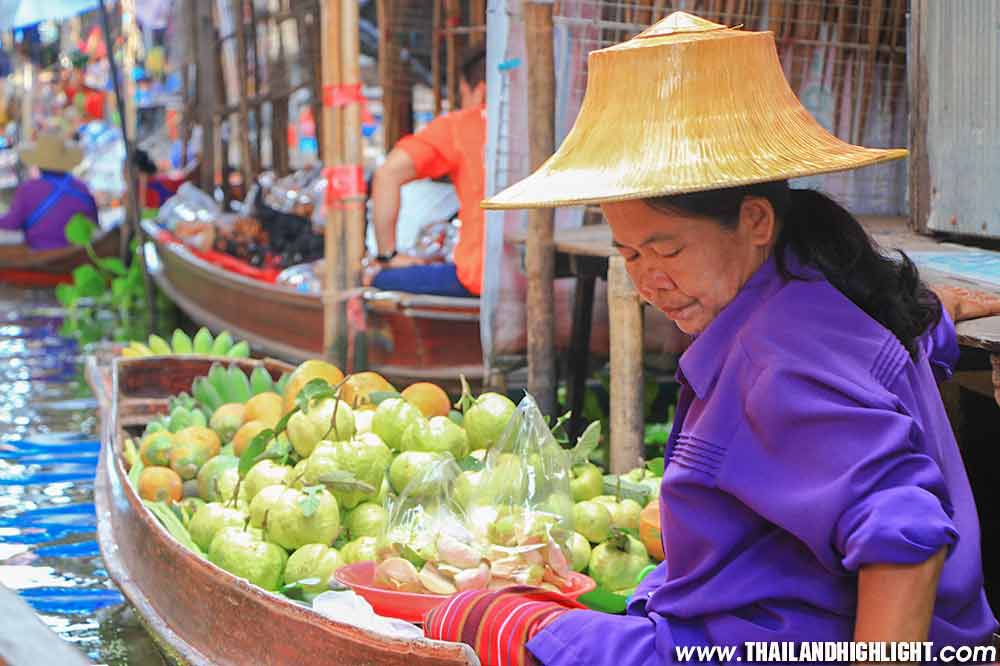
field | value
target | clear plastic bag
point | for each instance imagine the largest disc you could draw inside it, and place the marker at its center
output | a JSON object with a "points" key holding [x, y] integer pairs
{"points": [[523, 509], [427, 547]]}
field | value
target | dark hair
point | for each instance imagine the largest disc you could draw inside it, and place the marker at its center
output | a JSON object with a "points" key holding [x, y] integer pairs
{"points": [[824, 235], [474, 66]]}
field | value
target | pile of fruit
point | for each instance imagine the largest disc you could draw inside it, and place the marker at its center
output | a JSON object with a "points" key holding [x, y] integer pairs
{"points": [[282, 480], [182, 344]]}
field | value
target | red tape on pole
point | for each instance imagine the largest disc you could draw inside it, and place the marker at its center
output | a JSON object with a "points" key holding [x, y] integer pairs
{"points": [[346, 181], [343, 95]]}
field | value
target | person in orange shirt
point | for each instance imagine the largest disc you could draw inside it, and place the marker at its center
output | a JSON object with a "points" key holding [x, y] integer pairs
{"points": [[451, 145]]}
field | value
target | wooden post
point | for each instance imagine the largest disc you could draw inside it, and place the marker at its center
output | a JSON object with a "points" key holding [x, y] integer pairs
{"points": [[437, 35], [334, 311], [247, 166], [350, 52], [540, 248], [453, 16], [207, 73], [477, 19], [279, 107], [625, 337]]}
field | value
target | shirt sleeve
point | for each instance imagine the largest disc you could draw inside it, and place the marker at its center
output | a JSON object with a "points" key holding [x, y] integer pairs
{"points": [[433, 148], [940, 343], [652, 582], [840, 466]]}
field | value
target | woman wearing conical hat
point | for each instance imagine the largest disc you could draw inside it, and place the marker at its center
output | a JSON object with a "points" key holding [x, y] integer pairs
{"points": [[813, 489]]}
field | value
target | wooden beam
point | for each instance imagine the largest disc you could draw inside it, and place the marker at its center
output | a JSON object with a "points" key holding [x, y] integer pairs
{"points": [[436, 36], [453, 15], [207, 73], [350, 53], [334, 311], [540, 249], [625, 338], [247, 166]]}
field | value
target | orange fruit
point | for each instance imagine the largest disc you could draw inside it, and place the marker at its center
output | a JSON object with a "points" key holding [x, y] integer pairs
{"points": [[155, 448], [649, 529], [245, 435], [187, 458], [264, 407], [227, 419], [429, 398], [160, 484], [358, 388], [201, 437], [305, 373]]}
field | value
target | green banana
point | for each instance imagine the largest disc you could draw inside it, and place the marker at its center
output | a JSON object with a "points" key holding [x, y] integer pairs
{"points": [[206, 394], [220, 381], [198, 418], [223, 342], [154, 426], [202, 342], [180, 418], [239, 385], [158, 345], [279, 386], [240, 350], [260, 381], [181, 342]]}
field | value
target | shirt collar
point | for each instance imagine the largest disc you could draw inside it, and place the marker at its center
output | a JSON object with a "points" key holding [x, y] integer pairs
{"points": [[699, 366]]}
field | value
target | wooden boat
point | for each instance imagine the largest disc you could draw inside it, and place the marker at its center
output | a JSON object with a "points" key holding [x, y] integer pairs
{"points": [[409, 336], [200, 614], [21, 265]]}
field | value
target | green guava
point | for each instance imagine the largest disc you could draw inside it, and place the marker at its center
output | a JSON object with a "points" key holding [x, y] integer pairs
{"points": [[263, 474], [616, 563], [592, 520], [297, 518], [365, 458], [307, 429], [366, 519], [244, 555], [439, 433], [262, 503], [392, 418], [210, 487], [485, 421], [411, 465], [313, 561], [361, 549], [208, 519]]}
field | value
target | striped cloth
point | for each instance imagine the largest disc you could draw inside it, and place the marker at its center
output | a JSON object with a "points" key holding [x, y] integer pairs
{"points": [[497, 624]]}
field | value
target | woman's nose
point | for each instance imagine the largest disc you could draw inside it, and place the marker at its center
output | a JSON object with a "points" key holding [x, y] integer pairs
{"points": [[653, 282]]}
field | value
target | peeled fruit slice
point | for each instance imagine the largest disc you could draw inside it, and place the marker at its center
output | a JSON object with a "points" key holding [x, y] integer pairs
{"points": [[358, 388], [245, 435], [160, 484], [268, 408], [473, 579], [398, 574], [435, 581], [429, 398], [155, 448], [226, 420], [305, 373], [458, 554]]}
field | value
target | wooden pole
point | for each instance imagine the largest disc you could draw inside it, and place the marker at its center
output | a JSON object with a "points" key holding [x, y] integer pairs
{"points": [[437, 36], [625, 337], [477, 18], [453, 15], [207, 77], [334, 311], [540, 248], [247, 167], [279, 108], [350, 52]]}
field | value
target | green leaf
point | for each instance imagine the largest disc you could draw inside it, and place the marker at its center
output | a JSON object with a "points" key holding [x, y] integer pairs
{"points": [[456, 417], [378, 397], [134, 472], [88, 281], [466, 401], [657, 433], [80, 229], [283, 423], [256, 447], [409, 554], [66, 294], [655, 466], [470, 464], [278, 450], [310, 502], [586, 443], [315, 389], [172, 524], [113, 265], [344, 481], [615, 485]]}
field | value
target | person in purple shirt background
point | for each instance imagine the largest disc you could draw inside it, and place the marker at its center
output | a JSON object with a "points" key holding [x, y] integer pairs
{"points": [[813, 489], [43, 206]]}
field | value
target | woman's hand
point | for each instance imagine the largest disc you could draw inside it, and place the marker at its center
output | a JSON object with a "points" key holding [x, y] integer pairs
{"points": [[896, 601], [399, 261]]}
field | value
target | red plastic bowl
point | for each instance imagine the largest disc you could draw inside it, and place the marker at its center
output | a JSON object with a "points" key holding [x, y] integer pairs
{"points": [[412, 607]]}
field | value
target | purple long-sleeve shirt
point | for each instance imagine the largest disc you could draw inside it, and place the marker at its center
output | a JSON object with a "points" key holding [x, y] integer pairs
{"points": [[49, 231], [807, 444]]}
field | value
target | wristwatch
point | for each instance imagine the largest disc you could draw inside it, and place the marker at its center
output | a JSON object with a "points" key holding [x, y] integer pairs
{"points": [[386, 258]]}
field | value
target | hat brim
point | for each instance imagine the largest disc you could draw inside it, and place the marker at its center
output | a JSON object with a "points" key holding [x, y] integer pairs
{"points": [[554, 187], [66, 161]]}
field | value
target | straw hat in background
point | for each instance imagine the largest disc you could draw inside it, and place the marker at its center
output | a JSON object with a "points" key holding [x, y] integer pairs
{"points": [[686, 106], [52, 153]]}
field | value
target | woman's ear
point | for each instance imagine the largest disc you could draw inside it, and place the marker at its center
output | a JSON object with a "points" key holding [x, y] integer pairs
{"points": [[757, 219]]}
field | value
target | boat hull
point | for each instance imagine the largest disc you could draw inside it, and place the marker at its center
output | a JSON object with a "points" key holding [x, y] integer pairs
{"points": [[200, 613], [21, 265], [409, 337]]}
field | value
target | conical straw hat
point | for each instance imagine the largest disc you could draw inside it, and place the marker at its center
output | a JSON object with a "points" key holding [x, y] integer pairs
{"points": [[51, 152], [688, 105]]}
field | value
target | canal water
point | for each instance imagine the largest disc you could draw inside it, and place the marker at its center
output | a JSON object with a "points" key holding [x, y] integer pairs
{"points": [[48, 458]]}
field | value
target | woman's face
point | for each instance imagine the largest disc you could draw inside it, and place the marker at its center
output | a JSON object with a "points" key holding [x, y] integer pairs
{"points": [[689, 267]]}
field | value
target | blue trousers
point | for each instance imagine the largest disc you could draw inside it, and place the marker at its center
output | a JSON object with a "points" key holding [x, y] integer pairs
{"points": [[431, 279]]}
